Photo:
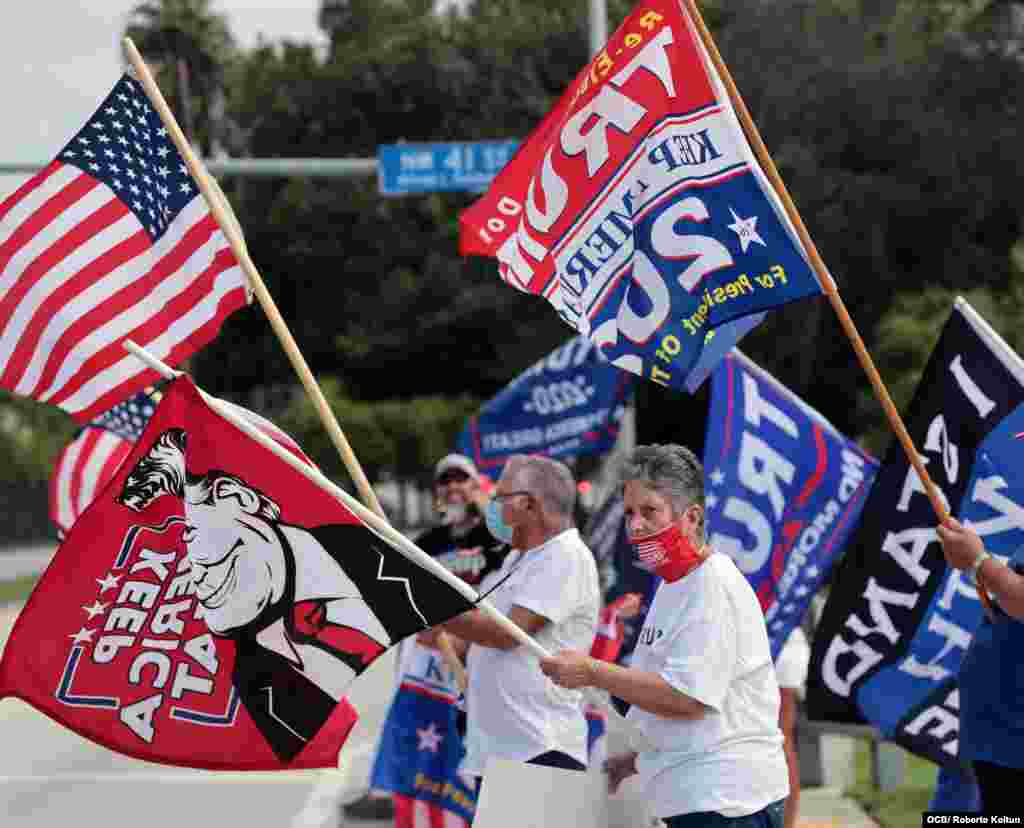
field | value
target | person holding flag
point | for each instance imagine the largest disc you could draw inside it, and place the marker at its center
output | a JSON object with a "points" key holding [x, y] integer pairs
{"points": [[701, 683], [992, 673], [427, 699], [548, 586]]}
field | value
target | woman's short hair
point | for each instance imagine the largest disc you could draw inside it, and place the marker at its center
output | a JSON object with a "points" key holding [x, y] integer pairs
{"points": [[671, 470]]}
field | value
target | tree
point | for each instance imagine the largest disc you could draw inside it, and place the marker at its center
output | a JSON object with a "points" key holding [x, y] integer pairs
{"points": [[191, 47]]}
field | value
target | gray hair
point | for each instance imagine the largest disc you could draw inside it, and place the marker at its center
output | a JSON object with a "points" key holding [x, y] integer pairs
{"points": [[550, 481], [671, 470]]}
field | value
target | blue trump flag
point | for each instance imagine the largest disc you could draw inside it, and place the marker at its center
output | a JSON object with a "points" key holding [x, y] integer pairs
{"points": [[892, 636], [420, 745], [783, 489], [566, 405]]}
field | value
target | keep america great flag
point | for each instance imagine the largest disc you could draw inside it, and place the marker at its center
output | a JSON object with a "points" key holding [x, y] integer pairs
{"points": [[112, 240]]}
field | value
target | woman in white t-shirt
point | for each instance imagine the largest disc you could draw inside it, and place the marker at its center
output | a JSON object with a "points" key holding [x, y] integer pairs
{"points": [[701, 684]]}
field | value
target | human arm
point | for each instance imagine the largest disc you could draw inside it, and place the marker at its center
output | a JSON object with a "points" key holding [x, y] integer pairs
{"points": [[648, 691], [962, 546], [474, 627], [787, 724]]}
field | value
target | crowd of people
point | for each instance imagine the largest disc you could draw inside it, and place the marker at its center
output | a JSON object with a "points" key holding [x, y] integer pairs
{"points": [[717, 712]]}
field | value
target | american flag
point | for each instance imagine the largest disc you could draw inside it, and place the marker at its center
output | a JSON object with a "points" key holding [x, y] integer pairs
{"points": [[112, 240], [88, 463]]}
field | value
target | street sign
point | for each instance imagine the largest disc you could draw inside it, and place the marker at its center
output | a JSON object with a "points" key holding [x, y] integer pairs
{"points": [[404, 169]]}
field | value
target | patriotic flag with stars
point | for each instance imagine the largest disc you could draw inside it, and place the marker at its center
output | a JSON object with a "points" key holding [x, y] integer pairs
{"points": [[90, 461], [110, 241], [784, 489]]}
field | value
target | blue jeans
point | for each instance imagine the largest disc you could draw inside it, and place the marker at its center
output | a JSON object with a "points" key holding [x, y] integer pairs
{"points": [[769, 817]]}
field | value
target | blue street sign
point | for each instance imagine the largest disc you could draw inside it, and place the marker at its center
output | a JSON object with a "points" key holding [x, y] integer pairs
{"points": [[403, 169]]}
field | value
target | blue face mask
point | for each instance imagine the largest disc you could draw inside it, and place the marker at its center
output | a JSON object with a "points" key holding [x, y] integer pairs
{"points": [[496, 523]]}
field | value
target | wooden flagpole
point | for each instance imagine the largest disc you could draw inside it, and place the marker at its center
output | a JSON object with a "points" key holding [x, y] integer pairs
{"points": [[222, 212], [384, 530], [229, 224], [828, 284]]}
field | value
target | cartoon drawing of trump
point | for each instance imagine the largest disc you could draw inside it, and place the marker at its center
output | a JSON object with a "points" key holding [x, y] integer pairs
{"points": [[303, 605]]}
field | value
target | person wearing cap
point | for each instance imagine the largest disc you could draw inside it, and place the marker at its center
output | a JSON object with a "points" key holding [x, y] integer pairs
{"points": [[701, 685], [461, 543], [991, 677], [548, 586]]}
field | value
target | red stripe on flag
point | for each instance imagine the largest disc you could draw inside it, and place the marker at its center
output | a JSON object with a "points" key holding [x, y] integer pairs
{"points": [[41, 218], [36, 180], [92, 437], [129, 296], [95, 223], [152, 328], [23, 354]]}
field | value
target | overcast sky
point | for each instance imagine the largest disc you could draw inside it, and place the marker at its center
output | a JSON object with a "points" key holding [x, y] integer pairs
{"points": [[60, 58]]}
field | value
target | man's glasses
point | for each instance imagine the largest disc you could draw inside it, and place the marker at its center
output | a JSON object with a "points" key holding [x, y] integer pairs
{"points": [[503, 495], [453, 476]]}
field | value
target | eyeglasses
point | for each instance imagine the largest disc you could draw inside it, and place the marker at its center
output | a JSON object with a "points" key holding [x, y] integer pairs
{"points": [[502, 496], [452, 476]]}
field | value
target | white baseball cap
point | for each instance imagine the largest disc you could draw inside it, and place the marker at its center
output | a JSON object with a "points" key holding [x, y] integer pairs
{"points": [[456, 461]]}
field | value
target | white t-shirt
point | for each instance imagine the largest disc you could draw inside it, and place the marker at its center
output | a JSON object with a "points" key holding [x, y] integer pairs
{"points": [[793, 661], [514, 711], [705, 635]]}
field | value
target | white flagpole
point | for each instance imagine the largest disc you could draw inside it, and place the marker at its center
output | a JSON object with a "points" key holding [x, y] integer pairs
{"points": [[379, 526]]}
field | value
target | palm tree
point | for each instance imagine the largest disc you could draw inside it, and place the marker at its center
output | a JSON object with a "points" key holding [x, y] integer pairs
{"points": [[190, 46]]}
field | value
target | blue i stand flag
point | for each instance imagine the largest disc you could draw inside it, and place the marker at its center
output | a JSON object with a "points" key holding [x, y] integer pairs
{"points": [[891, 640], [784, 489], [568, 404]]}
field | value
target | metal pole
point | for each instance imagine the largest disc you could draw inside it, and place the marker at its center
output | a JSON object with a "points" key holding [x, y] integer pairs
{"points": [[598, 25]]}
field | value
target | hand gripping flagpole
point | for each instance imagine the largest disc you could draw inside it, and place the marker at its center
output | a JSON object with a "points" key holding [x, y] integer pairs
{"points": [[229, 224], [828, 284], [386, 532]]}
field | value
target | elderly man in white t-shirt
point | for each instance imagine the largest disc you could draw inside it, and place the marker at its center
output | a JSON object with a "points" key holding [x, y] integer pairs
{"points": [[701, 684], [548, 586]]}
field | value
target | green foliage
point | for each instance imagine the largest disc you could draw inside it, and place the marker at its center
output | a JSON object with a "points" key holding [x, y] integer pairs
{"points": [[31, 436], [894, 125], [907, 334], [403, 437]]}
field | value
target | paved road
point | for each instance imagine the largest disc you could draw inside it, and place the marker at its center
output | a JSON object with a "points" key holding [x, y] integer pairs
{"points": [[49, 776], [26, 559]]}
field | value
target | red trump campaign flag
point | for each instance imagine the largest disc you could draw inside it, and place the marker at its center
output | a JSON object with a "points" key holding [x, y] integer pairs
{"points": [[212, 606], [110, 241], [638, 210]]}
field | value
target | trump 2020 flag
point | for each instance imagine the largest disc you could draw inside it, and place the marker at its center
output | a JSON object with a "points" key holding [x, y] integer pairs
{"points": [[891, 640], [112, 240], [784, 489], [568, 404], [421, 747], [212, 605], [637, 208]]}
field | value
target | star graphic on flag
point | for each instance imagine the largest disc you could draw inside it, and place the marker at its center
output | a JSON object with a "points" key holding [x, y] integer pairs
{"points": [[811, 572], [83, 636], [96, 609], [109, 582], [801, 591], [430, 738], [746, 230], [710, 501], [717, 477]]}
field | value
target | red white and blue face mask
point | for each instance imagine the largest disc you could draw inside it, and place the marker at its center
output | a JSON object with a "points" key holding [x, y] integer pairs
{"points": [[668, 553]]}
